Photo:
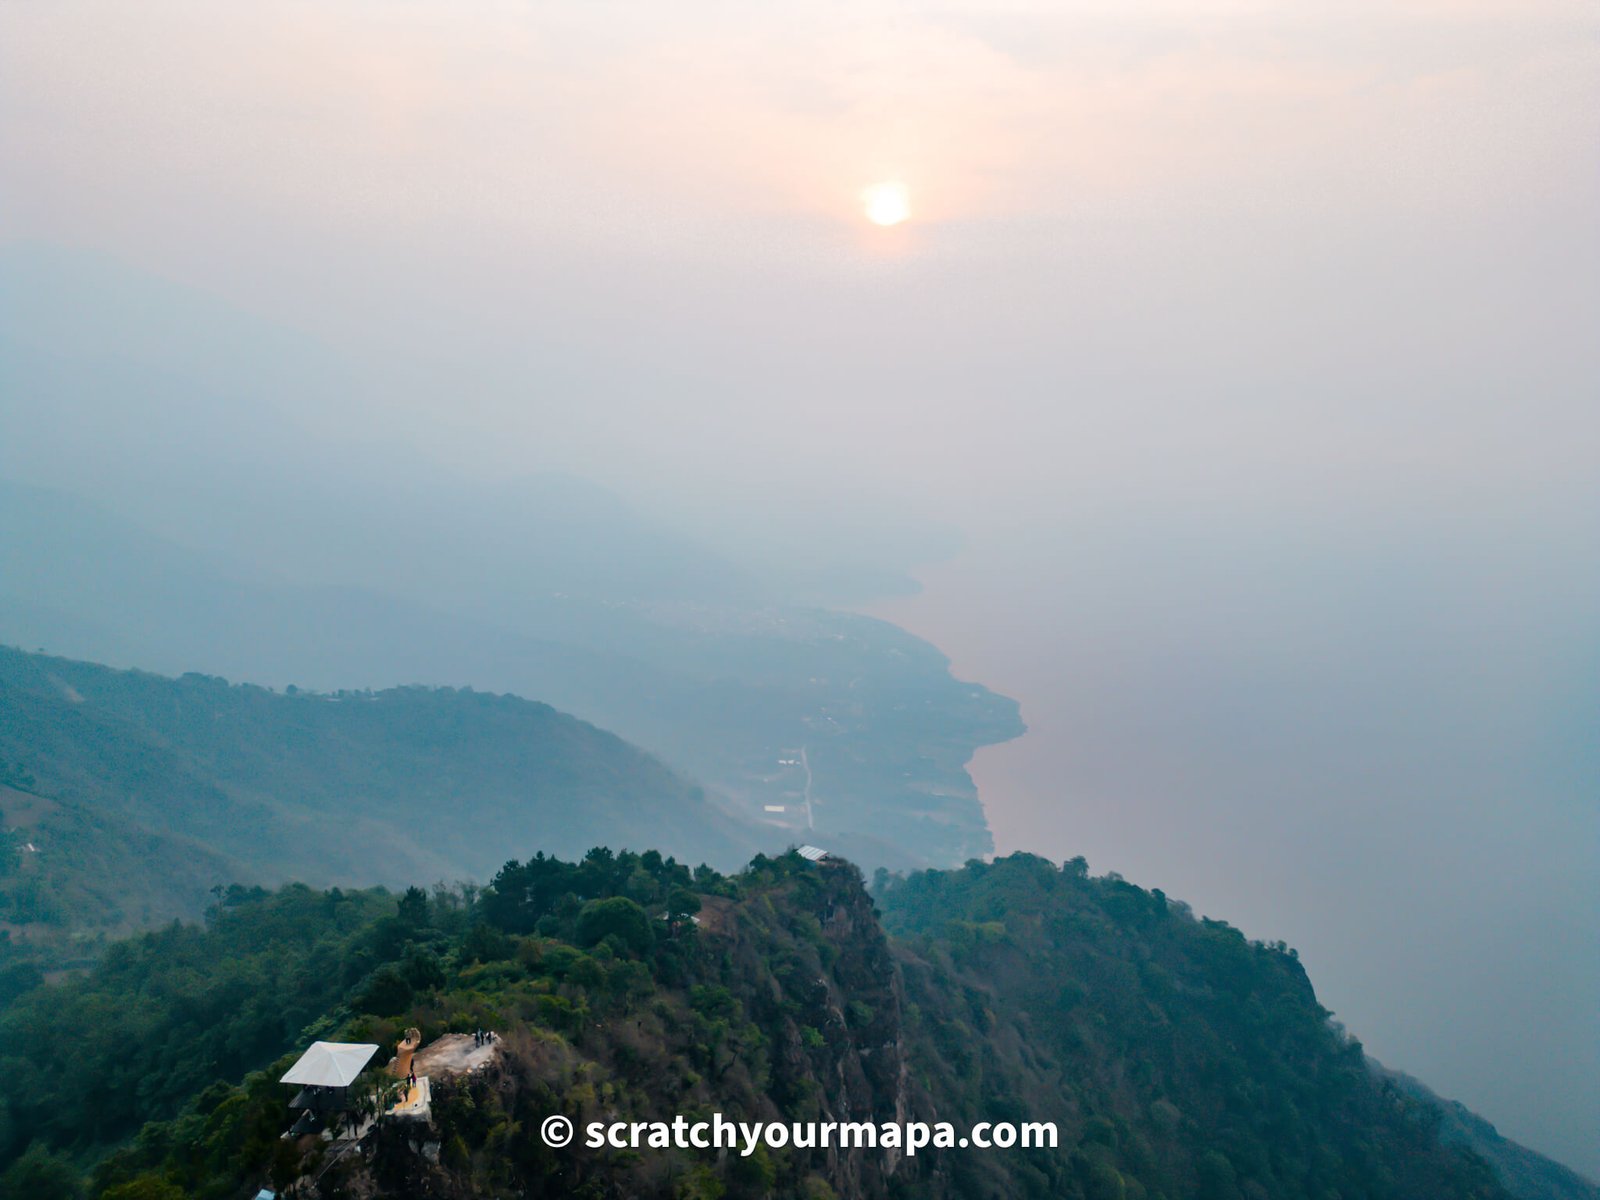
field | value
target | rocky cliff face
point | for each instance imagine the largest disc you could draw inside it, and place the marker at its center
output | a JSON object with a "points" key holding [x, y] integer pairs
{"points": [[860, 1070], [788, 1009]]}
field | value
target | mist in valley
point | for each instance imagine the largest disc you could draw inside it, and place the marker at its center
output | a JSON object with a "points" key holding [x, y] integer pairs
{"points": [[1236, 421]]}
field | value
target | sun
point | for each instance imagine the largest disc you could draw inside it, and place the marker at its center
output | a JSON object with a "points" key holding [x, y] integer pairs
{"points": [[886, 203]]}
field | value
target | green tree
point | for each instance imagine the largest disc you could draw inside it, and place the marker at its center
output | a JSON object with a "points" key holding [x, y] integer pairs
{"points": [[701, 1183], [682, 904], [40, 1175], [387, 992], [1217, 1178], [413, 912], [616, 917], [423, 970], [145, 1187]]}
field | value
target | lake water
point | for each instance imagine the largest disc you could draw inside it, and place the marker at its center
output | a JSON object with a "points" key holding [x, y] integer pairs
{"points": [[1350, 760]]}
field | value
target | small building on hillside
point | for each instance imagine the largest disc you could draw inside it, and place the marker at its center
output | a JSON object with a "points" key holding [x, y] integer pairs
{"points": [[324, 1075], [812, 853]]}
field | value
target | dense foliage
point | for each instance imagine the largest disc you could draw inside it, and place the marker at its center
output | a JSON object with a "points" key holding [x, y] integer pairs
{"points": [[1178, 1059], [1190, 1061], [138, 793], [163, 1015]]}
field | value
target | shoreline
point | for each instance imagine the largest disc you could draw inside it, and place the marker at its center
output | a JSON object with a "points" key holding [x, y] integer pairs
{"points": [[987, 775]]}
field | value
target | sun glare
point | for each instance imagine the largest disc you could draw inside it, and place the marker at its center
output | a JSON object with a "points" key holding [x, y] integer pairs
{"points": [[886, 203]]}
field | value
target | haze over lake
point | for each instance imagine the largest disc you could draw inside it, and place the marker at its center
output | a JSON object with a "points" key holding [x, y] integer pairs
{"points": [[1225, 371], [1370, 756]]}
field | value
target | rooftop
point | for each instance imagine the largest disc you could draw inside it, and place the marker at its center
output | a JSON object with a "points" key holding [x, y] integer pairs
{"points": [[330, 1064]]}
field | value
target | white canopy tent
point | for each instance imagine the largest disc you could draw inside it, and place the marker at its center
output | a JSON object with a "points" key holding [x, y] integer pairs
{"points": [[330, 1064]]}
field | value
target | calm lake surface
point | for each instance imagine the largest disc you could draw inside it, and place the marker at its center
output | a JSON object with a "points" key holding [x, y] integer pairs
{"points": [[1318, 757]]}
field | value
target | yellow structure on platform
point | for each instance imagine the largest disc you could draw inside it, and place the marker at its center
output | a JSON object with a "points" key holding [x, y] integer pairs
{"points": [[403, 1051]]}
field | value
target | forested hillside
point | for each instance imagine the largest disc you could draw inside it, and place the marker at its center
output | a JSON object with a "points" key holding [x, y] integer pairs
{"points": [[127, 796], [1178, 1059], [554, 591], [1193, 1061]]}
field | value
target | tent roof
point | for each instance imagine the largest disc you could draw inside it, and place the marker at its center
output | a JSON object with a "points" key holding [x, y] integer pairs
{"points": [[330, 1064]]}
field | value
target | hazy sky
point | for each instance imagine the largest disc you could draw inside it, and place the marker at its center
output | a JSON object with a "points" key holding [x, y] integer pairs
{"points": [[1249, 346]]}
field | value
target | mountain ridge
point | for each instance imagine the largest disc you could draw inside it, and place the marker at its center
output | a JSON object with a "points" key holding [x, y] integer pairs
{"points": [[1177, 1060], [724, 692], [353, 788]]}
